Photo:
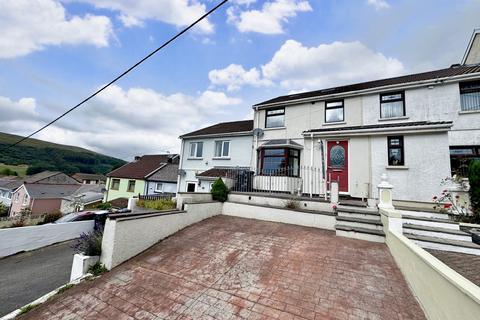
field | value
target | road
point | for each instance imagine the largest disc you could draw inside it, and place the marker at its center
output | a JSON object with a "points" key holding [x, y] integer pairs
{"points": [[27, 276]]}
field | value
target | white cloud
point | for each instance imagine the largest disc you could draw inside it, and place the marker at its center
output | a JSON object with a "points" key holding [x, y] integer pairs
{"points": [[269, 19], [296, 66], [122, 122], [31, 25], [235, 76], [378, 4], [179, 13]]}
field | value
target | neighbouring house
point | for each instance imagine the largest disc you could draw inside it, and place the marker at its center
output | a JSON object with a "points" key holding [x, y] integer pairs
{"points": [[146, 175], [41, 198], [209, 153], [50, 177], [89, 178], [418, 129], [86, 196], [7, 186]]}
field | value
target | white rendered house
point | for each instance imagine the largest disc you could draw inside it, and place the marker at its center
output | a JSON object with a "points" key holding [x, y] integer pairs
{"points": [[208, 152]]}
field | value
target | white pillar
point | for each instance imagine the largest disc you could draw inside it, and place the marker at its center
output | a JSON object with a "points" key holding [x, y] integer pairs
{"points": [[334, 192], [385, 193]]}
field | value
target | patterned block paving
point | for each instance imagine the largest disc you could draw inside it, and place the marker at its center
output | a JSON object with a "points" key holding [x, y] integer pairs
{"points": [[234, 268], [468, 265]]}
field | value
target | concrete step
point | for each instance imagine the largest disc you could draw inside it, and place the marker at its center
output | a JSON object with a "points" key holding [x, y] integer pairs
{"points": [[352, 209], [360, 233], [445, 244], [360, 222], [424, 214], [431, 222], [443, 233]]}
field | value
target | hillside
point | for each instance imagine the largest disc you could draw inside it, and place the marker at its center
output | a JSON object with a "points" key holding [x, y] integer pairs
{"points": [[41, 155]]}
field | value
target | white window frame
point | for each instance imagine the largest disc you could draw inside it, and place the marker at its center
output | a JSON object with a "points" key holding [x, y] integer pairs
{"points": [[156, 187], [222, 149], [194, 148]]}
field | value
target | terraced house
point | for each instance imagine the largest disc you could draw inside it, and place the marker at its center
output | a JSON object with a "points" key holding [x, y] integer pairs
{"points": [[417, 128], [146, 175]]}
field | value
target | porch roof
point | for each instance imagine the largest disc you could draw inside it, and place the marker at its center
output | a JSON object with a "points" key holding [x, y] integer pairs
{"points": [[276, 143], [417, 126]]}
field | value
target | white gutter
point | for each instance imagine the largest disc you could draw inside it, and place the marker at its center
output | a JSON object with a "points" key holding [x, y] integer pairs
{"points": [[379, 131], [410, 85]]}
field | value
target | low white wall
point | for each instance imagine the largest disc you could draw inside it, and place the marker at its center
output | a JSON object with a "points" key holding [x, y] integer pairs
{"points": [[279, 201], [15, 240], [251, 211], [125, 237], [192, 197]]}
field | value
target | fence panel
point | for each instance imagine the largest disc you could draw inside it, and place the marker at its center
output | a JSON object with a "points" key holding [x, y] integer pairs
{"points": [[153, 197]]}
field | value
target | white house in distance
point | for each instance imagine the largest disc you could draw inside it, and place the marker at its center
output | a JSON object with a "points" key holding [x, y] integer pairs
{"points": [[417, 129], [207, 153]]}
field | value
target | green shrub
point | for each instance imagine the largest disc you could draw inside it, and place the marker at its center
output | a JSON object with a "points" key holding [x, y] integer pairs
{"points": [[474, 180], [52, 217], [3, 210], [163, 204], [17, 223], [103, 206], [219, 190], [97, 269], [89, 244]]}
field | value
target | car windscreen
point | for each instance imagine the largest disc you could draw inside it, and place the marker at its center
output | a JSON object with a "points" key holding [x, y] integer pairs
{"points": [[68, 218]]}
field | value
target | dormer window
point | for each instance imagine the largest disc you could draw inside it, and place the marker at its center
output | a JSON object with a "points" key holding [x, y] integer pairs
{"points": [[392, 105], [275, 118], [470, 96]]}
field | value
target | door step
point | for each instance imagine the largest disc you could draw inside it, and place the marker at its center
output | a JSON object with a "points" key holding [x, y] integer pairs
{"points": [[431, 222], [424, 214], [444, 244], [360, 233], [356, 212], [360, 222], [443, 233]]}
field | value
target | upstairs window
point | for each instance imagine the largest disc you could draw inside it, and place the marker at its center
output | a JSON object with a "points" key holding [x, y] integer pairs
{"points": [[334, 111], [392, 105], [275, 118], [470, 96], [131, 186], [222, 149], [196, 149], [396, 155], [115, 184]]}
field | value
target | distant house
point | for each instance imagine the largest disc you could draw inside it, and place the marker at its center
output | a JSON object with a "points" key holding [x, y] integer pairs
{"points": [[89, 178], [41, 198], [146, 175], [86, 196], [7, 186], [210, 152], [50, 177]]}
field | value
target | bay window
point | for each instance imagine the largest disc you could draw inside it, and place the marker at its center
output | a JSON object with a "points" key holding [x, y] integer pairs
{"points": [[334, 111], [275, 118], [470, 96], [392, 105], [280, 162]]}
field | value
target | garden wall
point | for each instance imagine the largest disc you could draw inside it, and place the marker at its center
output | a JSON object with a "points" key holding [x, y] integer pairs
{"points": [[14, 240]]}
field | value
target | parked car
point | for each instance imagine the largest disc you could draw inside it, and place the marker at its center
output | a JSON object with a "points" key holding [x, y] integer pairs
{"points": [[81, 216]]}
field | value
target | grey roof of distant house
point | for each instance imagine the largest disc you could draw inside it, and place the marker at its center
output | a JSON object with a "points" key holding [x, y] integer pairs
{"points": [[88, 176], [167, 173], [430, 75], [40, 176], [144, 166], [50, 191], [11, 184]]}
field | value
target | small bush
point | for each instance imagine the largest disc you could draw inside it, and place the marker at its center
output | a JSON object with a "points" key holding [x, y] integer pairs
{"points": [[292, 204], [52, 217], [164, 204], [219, 190], [97, 269], [89, 244], [103, 206], [18, 223], [3, 210], [474, 181]]}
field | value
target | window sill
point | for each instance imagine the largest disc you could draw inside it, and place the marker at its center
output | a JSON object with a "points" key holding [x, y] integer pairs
{"points": [[469, 112], [333, 123], [221, 158], [394, 118], [396, 167], [194, 158], [274, 128]]}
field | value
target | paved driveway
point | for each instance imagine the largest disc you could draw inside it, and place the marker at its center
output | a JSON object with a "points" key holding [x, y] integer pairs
{"points": [[27, 276], [234, 268]]}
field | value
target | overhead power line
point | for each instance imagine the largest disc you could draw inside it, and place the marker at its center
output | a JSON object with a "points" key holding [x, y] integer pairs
{"points": [[119, 76]]}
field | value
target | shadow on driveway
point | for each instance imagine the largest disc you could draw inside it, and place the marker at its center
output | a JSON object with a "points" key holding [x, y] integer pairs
{"points": [[27, 276]]}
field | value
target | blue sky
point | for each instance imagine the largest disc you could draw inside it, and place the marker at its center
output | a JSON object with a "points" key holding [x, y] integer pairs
{"points": [[54, 53]]}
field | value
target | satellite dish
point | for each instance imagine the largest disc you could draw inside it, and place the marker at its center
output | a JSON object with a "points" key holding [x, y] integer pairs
{"points": [[257, 132]]}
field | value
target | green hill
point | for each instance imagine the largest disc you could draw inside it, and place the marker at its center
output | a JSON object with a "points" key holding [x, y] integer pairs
{"points": [[41, 155]]}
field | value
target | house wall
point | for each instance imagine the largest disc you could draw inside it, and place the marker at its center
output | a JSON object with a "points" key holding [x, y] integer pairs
{"points": [[474, 54], [18, 201], [168, 187], [40, 206], [240, 156], [122, 190]]}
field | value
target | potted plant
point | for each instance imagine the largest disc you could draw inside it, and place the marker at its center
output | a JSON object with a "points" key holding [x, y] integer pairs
{"points": [[87, 250]]}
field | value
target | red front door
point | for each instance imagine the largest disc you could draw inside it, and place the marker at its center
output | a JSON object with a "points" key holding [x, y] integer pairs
{"points": [[337, 163]]}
